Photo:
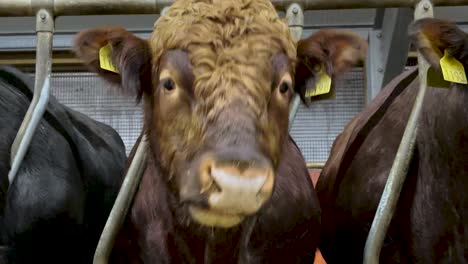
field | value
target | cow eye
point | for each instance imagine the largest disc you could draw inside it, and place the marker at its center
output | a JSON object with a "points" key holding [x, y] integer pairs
{"points": [[284, 87], [285, 84], [168, 84]]}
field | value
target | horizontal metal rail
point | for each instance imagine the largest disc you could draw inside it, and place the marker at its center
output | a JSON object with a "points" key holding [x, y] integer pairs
{"points": [[113, 7]]}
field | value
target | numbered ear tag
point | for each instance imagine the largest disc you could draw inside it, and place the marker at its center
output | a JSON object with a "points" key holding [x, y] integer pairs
{"points": [[452, 69], [322, 84], [105, 60], [435, 79]]}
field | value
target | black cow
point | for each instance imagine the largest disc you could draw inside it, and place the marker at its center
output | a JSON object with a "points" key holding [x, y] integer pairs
{"points": [[57, 205], [431, 221]]}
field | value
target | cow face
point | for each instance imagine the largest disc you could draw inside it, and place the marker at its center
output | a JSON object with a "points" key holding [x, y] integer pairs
{"points": [[217, 81]]}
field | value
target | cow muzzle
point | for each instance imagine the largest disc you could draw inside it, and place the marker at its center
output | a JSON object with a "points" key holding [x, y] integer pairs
{"points": [[234, 190]]}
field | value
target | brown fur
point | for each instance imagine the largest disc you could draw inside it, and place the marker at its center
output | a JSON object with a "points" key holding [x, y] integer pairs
{"points": [[227, 43], [430, 223], [432, 37], [127, 52], [228, 61], [336, 51], [169, 236]]}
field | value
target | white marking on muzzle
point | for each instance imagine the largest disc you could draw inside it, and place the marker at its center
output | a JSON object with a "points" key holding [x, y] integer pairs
{"points": [[239, 194]]}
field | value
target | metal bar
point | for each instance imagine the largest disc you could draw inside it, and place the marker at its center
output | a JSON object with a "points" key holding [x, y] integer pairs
{"points": [[397, 176], [26, 61], [293, 110], [396, 43], [44, 29], [295, 18], [108, 7], [122, 204], [316, 165], [374, 65], [388, 47], [379, 17]]}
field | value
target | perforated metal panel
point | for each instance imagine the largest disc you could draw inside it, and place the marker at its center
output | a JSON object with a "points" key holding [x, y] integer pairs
{"points": [[315, 128], [90, 95]]}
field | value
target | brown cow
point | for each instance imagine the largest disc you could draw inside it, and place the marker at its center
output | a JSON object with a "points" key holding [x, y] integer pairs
{"points": [[431, 222], [224, 182]]}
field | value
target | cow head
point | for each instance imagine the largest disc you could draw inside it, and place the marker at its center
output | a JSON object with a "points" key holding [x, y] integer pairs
{"points": [[433, 36], [217, 80]]}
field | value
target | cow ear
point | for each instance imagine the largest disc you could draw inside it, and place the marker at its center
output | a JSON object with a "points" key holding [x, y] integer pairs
{"points": [[327, 51], [128, 56], [432, 37]]}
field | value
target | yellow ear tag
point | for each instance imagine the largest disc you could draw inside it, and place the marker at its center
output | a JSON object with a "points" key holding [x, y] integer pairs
{"points": [[105, 59], [452, 69], [436, 80], [322, 84]]}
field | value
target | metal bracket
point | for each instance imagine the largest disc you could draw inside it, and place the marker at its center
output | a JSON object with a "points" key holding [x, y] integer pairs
{"points": [[389, 200], [295, 18]]}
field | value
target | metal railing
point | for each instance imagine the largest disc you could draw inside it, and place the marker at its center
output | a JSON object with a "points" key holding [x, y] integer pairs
{"points": [[389, 199], [47, 10], [127, 7]]}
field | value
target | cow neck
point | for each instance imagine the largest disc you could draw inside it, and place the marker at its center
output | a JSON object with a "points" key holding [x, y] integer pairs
{"points": [[368, 120], [443, 132], [162, 223]]}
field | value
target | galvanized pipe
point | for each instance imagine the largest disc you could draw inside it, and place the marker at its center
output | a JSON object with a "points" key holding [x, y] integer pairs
{"points": [[293, 110], [122, 204], [127, 7], [44, 29], [397, 176], [295, 18]]}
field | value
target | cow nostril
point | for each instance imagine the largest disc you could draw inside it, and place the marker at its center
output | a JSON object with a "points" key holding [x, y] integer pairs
{"points": [[207, 182]]}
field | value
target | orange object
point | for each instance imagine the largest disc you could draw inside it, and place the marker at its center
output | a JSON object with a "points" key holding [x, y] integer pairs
{"points": [[314, 175]]}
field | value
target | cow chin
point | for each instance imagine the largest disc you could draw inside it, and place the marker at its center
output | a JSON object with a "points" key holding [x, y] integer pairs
{"points": [[212, 218]]}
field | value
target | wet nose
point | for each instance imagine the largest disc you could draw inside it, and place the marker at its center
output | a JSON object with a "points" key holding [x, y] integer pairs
{"points": [[236, 186]]}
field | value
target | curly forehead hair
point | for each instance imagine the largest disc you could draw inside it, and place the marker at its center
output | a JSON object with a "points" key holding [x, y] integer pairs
{"points": [[228, 41]]}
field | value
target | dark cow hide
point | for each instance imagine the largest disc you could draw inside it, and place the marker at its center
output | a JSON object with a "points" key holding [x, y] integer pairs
{"points": [[430, 224], [56, 207]]}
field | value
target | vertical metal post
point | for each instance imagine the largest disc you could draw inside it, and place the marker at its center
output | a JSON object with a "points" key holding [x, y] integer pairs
{"points": [[397, 176], [44, 31], [122, 204], [388, 48], [295, 17]]}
